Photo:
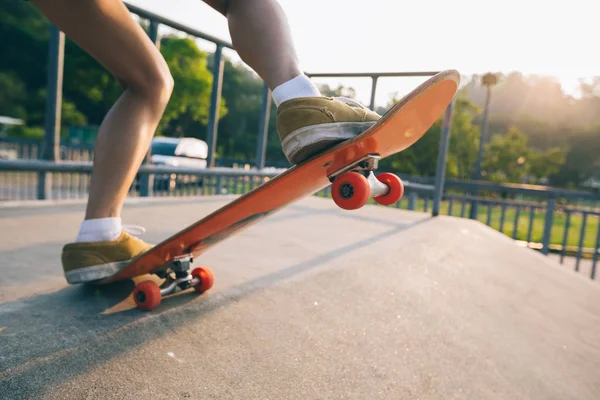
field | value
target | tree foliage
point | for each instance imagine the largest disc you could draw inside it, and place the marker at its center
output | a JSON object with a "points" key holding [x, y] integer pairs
{"points": [[189, 104], [537, 132]]}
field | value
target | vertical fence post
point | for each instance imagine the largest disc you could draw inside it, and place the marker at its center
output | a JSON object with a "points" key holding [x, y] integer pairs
{"points": [[412, 200], [51, 145], [548, 225], [581, 243], [596, 249], [263, 128], [373, 91], [563, 249], [147, 179], [215, 105], [153, 32], [440, 171], [473, 213]]}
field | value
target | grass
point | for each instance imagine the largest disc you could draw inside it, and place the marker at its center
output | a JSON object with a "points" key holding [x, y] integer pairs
{"points": [[525, 214], [537, 218]]}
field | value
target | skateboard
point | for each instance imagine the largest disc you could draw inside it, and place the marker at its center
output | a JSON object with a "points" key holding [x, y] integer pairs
{"points": [[348, 167]]}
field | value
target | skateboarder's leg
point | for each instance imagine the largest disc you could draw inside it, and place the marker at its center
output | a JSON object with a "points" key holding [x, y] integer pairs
{"points": [[106, 30], [306, 121], [261, 35]]}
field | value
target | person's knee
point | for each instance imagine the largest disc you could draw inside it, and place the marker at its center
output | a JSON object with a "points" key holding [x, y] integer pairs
{"points": [[157, 86], [153, 84], [165, 84]]}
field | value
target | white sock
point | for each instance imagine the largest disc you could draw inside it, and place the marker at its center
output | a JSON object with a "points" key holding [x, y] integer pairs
{"points": [[99, 230], [300, 86]]}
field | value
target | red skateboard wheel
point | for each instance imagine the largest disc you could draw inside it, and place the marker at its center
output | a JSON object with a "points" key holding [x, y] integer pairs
{"points": [[207, 279], [350, 191], [147, 295], [395, 186]]}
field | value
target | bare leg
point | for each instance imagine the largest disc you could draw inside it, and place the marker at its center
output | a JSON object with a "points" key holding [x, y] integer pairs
{"points": [[305, 123], [105, 29], [261, 36]]}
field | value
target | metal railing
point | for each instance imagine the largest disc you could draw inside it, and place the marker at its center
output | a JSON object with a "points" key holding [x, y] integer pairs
{"points": [[560, 223], [39, 179]]}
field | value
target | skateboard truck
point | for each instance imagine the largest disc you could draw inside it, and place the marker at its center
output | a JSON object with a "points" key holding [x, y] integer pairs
{"points": [[176, 274], [147, 294], [356, 183]]}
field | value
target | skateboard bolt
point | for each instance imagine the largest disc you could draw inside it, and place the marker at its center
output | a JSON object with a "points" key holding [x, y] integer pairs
{"points": [[346, 190], [141, 296]]}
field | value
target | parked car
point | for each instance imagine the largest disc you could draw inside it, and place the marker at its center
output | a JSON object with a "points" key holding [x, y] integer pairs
{"points": [[8, 154], [179, 152], [184, 152]]}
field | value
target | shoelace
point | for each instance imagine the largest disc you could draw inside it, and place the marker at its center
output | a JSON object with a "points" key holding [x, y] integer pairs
{"points": [[135, 230]]}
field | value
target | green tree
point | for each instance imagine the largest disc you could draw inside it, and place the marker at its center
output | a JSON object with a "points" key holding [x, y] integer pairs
{"points": [[89, 90], [95, 90], [464, 139], [24, 32], [13, 95], [545, 164], [506, 156], [421, 158], [582, 160], [535, 105], [189, 104], [339, 91], [242, 91]]}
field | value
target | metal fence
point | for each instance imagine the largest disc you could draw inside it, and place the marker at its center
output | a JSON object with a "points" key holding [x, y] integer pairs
{"points": [[20, 149], [11, 148], [23, 180], [558, 223]]}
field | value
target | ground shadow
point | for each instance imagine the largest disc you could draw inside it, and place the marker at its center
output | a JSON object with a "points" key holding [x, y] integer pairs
{"points": [[50, 339]]}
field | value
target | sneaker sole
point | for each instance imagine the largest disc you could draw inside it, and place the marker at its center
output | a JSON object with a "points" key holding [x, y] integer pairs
{"points": [[301, 139], [94, 272]]}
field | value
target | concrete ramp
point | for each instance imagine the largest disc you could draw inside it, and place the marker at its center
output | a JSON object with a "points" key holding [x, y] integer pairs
{"points": [[312, 303]]}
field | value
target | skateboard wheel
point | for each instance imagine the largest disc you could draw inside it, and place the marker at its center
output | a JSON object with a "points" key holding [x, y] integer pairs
{"points": [[147, 295], [351, 191], [207, 279], [396, 189]]}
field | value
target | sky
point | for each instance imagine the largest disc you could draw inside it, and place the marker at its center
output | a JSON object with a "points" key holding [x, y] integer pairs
{"points": [[473, 37]]}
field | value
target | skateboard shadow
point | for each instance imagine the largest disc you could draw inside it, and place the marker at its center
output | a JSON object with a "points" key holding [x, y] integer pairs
{"points": [[101, 297], [50, 339]]}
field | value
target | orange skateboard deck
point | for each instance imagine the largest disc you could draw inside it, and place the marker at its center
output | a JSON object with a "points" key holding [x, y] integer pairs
{"points": [[348, 167]]}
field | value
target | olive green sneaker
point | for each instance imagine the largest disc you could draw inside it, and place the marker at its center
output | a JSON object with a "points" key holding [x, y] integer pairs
{"points": [[310, 125], [90, 261]]}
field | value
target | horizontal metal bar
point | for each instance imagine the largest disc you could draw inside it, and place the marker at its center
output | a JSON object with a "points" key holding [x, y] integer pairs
{"points": [[419, 188], [519, 203], [176, 25], [86, 167], [216, 171], [369, 74], [537, 190]]}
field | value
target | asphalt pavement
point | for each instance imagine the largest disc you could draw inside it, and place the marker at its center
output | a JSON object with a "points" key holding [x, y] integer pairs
{"points": [[312, 303]]}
